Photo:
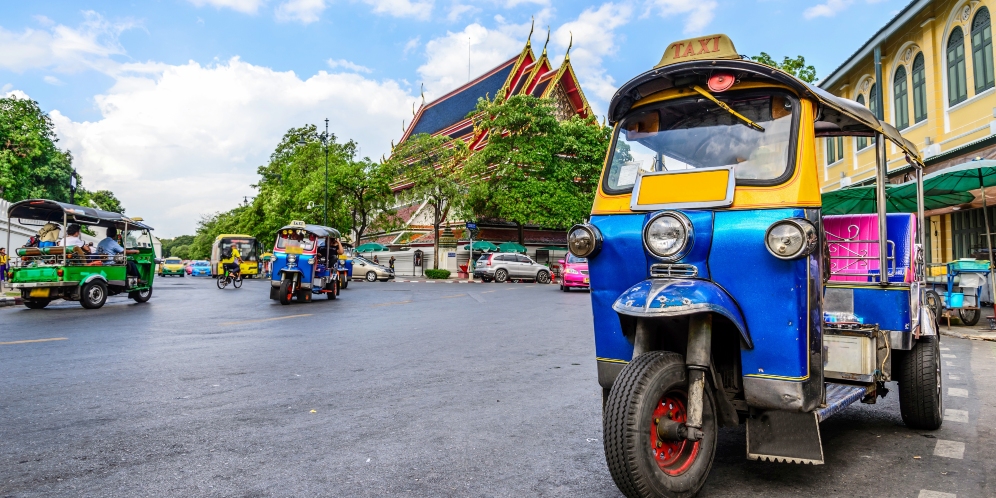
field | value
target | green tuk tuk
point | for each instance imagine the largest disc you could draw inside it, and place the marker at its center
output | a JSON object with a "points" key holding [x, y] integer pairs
{"points": [[48, 271]]}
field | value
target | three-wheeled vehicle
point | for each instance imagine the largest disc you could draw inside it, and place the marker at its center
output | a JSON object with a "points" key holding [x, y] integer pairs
{"points": [[304, 259], [43, 274], [713, 298]]}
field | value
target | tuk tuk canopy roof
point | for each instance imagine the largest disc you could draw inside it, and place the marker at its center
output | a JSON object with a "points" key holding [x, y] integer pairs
{"points": [[54, 211], [836, 116], [318, 230]]}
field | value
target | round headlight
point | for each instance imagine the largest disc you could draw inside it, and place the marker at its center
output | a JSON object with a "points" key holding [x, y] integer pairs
{"points": [[666, 236], [584, 240], [292, 258], [790, 239]]}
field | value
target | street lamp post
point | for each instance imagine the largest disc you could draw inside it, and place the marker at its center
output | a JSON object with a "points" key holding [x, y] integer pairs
{"points": [[72, 187], [324, 138]]}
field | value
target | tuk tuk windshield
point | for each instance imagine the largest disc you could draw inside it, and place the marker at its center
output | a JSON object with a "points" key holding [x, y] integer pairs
{"points": [[305, 240], [138, 239], [694, 132]]}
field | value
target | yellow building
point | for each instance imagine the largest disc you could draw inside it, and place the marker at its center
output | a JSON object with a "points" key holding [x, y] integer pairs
{"points": [[935, 83]]}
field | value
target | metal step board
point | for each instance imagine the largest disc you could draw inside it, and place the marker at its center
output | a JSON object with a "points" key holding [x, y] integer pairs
{"points": [[839, 396]]}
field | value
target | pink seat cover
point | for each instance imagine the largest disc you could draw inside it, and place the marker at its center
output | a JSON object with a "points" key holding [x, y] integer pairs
{"points": [[843, 233]]}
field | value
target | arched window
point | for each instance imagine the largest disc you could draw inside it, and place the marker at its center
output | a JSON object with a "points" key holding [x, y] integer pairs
{"points": [[901, 99], [862, 141], [982, 51], [835, 149], [919, 89], [873, 103], [957, 91]]}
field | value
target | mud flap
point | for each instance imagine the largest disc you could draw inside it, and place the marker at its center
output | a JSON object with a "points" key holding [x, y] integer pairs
{"points": [[784, 436]]}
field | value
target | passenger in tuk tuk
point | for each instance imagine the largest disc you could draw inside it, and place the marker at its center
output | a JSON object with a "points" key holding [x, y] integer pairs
{"points": [[109, 246], [48, 235], [73, 239]]}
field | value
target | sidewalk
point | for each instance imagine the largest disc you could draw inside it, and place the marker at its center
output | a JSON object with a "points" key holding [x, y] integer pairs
{"points": [[978, 332], [9, 299]]}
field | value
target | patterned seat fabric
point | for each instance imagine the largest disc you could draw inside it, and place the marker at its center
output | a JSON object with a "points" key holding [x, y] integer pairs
{"points": [[856, 235]]}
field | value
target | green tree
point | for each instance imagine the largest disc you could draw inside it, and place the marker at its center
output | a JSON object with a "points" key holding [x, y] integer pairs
{"points": [[101, 199], [535, 169], [31, 165], [363, 188], [432, 166], [794, 66], [169, 245]]}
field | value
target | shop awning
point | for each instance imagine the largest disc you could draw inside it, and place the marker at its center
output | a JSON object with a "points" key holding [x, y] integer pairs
{"points": [[511, 247], [482, 245], [371, 247]]}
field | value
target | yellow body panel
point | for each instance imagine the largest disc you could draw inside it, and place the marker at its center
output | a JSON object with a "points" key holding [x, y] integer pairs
{"points": [[802, 189], [683, 187]]}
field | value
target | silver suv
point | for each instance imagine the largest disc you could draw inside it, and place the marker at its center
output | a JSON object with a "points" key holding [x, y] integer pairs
{"points": [[504, 266]]}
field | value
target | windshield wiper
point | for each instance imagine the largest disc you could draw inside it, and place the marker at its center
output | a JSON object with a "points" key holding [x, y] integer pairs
{"points": [[705, 93]]}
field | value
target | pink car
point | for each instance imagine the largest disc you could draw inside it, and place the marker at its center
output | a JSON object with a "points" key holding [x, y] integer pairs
{"points": [[574, 273]]}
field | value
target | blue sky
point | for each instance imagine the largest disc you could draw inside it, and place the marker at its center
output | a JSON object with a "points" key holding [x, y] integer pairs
{"points": [[174, 103]]}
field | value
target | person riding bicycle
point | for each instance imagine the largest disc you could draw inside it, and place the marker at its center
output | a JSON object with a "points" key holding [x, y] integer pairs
{"points": [[232, 262]]}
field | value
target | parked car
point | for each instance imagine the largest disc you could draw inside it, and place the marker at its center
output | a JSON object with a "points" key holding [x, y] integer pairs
{"points": [[501, 267], [199, 268], [172, 266], [574, 273], [363, 268]]}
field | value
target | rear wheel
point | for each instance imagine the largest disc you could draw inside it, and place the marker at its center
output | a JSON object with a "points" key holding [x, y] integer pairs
{"points": [[286, 291], [501, 276], [652, 391], [920, 399], [141, 296], [36, 304], [93, 295], [371, 276], [543, 277], [933, 301], [969, 317]]}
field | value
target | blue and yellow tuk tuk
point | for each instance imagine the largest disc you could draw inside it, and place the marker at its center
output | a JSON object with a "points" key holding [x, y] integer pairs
{"points": [[304, 263], [721, 295]]}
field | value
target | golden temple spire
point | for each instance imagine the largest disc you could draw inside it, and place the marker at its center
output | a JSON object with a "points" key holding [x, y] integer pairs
{"points": [[547, 40], [531, 27], [570, 44]]}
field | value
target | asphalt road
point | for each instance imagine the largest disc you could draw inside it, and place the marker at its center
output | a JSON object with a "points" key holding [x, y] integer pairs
{"points": [[405, 389]]}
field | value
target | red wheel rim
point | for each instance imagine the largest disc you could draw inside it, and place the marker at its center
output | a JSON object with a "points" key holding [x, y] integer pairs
{"points": [[673, 457]]}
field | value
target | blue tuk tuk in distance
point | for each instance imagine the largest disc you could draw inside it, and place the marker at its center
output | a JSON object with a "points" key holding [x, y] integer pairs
{"points": [[304, 263], [720, 295]]}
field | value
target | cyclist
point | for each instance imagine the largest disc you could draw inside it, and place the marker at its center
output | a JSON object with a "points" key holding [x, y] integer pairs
{"points": [[233, 262]]}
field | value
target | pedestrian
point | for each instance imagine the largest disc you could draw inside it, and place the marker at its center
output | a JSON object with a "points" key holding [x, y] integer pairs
{"points": [[376, 261], [3, 267], [391, 262]]}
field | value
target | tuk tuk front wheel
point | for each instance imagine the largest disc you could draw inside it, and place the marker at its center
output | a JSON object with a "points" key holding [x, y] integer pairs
{"points": [[93, 295], [920, 399], [652, 390], [141, 296], [36, 304], [286, 291]]}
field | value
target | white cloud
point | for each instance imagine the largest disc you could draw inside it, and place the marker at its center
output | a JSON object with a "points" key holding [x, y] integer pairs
{"points": [[347, 65], [515, 3], [699, 14], [305, 11], [65, 49], [594, 39], [457, 10], [175, 142], [829, 9], [244, 6], [412, 45], [13, 93], [52, 80], [418, 9]]}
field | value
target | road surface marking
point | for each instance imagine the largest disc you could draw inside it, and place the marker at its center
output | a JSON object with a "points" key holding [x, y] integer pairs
{"points": [[945, 355], [945, 349], [476, 297], [949, 449], [949, 363], [266, 319], [390, 304], [34, 340], [954, 377], [451, 297], [925, 493], [952, 415], [486, 292], [958, 392]]}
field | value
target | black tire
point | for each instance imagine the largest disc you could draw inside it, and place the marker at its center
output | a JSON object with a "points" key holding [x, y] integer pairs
{"points": [[920, 397], [371, 276], [237, 282], [344, 282], [933, 300], [334, 293], [486, 280], [653, 385], [543, 277], [93, 295], [36, 304], [286, 292], [183, 275], [565, 288], [969, 317], [222, 282], [141, 296], [501, 276]]}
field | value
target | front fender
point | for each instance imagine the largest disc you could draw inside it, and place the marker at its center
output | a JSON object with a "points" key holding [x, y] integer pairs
{"points": [[657, 297], [286, 271]]}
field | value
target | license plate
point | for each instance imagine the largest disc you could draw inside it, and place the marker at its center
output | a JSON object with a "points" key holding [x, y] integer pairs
{"points": [[38, 293], [586, 280]]}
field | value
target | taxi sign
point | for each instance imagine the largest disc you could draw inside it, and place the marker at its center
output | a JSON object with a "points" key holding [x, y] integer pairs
{"points": [[704, 47], [298, 223]]}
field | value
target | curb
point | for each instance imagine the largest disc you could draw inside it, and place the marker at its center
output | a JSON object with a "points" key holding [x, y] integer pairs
{"points": [[10, 301], [973, 337], [441, 280]]}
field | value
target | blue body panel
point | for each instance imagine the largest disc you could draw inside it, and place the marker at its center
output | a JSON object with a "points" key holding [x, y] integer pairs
{"points": [[303, 265], [773, 294], [698, 255], [621, 264], [889, 308]]}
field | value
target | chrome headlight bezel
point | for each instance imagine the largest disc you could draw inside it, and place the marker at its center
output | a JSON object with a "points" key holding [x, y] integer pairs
{"points": [[810, 239], [590, 231], [686, 244], [292, 259]]}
